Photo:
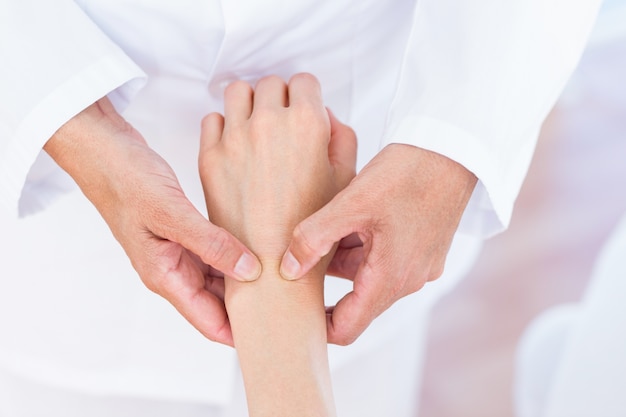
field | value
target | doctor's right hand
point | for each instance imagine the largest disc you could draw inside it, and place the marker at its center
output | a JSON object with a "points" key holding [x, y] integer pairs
{"points": [[169, 243]]}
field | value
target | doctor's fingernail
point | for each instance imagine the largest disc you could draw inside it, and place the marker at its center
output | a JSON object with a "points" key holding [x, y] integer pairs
{"points": [[247, 268], [290, 267]]}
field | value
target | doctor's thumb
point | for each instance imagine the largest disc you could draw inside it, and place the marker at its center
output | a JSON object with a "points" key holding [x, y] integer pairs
{"points": [[313, 239], [216, 247]]}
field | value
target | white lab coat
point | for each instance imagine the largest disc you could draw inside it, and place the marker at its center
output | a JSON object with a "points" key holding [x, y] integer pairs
{"points": [[471, 80]]}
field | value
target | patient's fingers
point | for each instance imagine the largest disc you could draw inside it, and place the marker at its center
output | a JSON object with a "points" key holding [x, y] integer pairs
{"points": [[238, 98], [270, 92], [212, 128], [304, 89]]}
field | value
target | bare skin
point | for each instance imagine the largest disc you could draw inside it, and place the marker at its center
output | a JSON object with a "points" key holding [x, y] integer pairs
{"points": [[388, 250], [168, 241], [274, 159]]}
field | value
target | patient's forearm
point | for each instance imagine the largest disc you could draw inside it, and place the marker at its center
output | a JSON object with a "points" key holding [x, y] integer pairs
{"points": [[275, 158], [279, 328]]}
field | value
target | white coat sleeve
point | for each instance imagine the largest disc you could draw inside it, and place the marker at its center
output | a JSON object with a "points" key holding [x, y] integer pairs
{"points": [[477, 81], [55, 63]]}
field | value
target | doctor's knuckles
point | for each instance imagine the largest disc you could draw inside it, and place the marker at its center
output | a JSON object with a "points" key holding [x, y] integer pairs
{"points": [[395, 223]]}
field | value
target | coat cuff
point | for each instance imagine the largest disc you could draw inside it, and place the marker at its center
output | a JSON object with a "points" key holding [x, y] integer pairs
{"points": [[30, 180], [490, 207]]}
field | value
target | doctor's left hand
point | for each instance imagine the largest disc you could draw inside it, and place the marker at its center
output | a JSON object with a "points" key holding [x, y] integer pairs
{"points": [[167, 240]]}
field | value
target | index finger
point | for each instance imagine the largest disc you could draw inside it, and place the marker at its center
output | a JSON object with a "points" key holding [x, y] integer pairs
{"points": [[185, 288], [357, 309]]}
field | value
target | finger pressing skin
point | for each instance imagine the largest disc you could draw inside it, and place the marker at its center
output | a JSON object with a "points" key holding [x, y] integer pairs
{"points": [[316, 235], [214, 245], [357, 309], [185, 289], [238, 98], [270, 92], [206, 312]]}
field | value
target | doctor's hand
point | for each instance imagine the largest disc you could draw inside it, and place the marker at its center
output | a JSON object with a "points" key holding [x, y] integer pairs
{"points": [[169, 243], [395, 221]]}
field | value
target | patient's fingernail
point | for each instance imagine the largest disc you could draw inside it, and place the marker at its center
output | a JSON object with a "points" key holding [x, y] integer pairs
{"points": [[290, 267], [247, 268]]}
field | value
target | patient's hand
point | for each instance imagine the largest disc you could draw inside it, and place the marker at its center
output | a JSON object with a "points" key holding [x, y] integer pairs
{"points": [[277, 157], [272, 161]]}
